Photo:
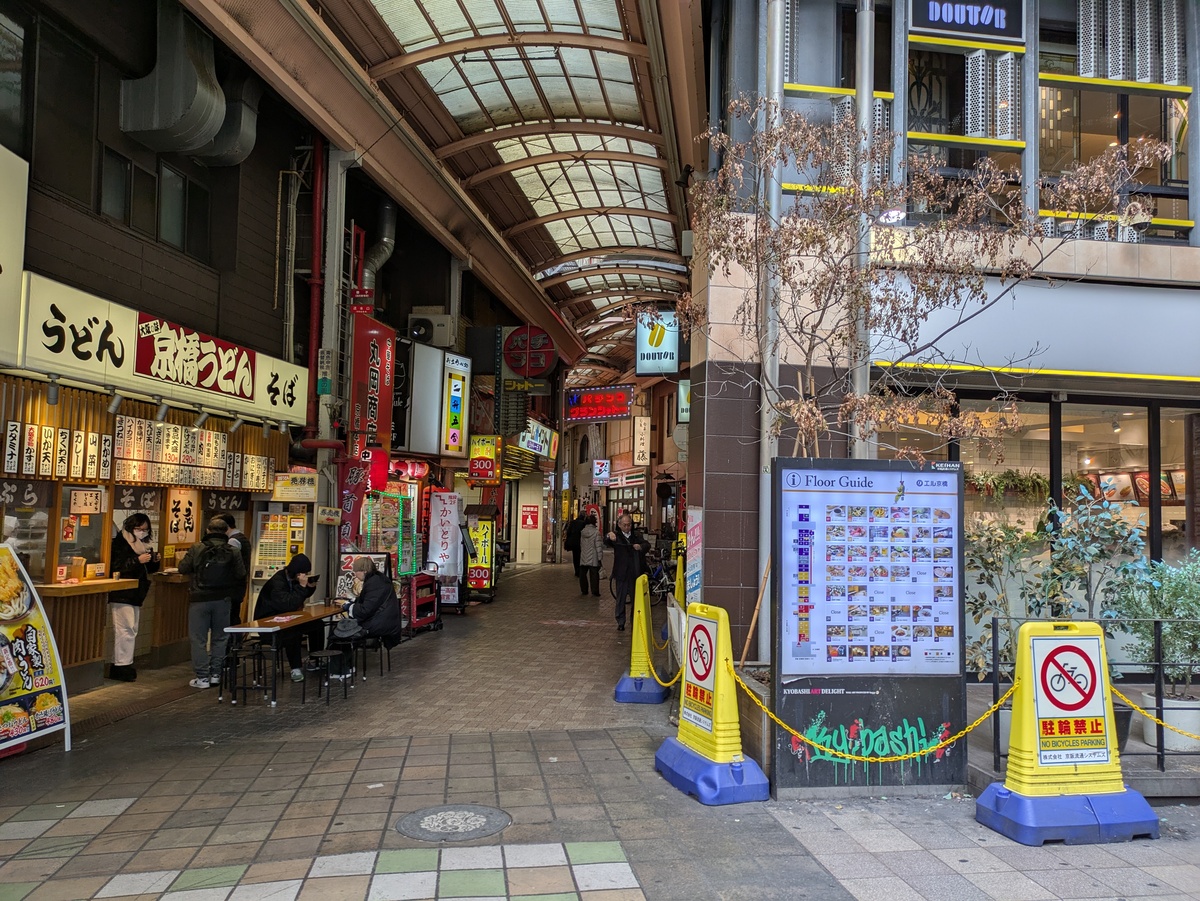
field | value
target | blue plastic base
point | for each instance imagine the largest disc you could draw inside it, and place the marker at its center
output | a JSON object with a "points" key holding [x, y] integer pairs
{"points": [[639, 690], [710, 783], [1072, 819]]}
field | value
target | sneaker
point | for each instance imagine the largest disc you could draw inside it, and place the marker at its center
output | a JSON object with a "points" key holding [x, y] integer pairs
{"points": [[214, 680], [297, 675], [199, 683], [312, 666]]}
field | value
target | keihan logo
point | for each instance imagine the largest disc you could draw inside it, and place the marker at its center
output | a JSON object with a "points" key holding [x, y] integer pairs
{"points": [[657, 333]]}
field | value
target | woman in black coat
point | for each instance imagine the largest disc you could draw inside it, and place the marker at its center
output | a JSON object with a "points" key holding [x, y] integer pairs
{"points": [[286, 592], [134, 558]]}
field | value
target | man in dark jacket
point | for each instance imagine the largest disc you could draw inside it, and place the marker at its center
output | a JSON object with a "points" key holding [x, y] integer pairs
{"points": [[286, 592], [376, 609], [242, 540], [629, 562], [218, 575], [571, 539]]}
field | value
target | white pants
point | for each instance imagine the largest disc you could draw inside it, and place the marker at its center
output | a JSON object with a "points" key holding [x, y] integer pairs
{"points": [[125, 619]]}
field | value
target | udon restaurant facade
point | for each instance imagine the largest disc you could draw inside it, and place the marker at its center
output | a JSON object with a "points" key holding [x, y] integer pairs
{"points": [[110, 410]]}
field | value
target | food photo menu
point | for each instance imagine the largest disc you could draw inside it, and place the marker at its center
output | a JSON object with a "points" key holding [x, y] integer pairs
{"points": [[870, 572]]}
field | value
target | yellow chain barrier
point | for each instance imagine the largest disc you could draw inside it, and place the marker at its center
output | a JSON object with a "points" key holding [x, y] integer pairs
{"points": [[894, 758], [1149, 715], [650, 658]]}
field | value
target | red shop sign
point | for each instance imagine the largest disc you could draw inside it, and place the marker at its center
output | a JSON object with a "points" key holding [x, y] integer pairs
{"points": [[181, 356], [591, 404], [529, 351], [372, 362]]}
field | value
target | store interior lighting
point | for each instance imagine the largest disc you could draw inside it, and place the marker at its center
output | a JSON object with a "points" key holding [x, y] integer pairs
{"points": [[52, 391], [236, 424], [200, 420], [161, 416], [115, 404]]}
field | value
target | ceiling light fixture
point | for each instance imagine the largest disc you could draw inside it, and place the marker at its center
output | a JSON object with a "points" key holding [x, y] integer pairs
{"points": [[1116, 426], [200, 420], [283, 427], [52, 391], [115, 404], [236, 424], [161, 416], [266, 427]]}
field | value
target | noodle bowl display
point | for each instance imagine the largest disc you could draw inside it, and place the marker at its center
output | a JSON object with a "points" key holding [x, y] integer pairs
{"points": [[15, 597]]}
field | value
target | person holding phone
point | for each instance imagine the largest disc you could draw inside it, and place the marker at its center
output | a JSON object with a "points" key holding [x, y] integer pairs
{"points": [[286, 592], [133, 557]]}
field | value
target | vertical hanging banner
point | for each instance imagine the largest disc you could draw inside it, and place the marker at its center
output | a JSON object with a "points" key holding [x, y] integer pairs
{"points": [[456, 392], [372, 368], [445, 540], [641, 441]]}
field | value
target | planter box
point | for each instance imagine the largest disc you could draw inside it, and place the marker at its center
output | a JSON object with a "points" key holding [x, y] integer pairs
{"points": [[1187, 719], [757, 731]]}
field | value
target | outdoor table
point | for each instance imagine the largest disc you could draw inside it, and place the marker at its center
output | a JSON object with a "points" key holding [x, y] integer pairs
{"points": [[275, 626]]}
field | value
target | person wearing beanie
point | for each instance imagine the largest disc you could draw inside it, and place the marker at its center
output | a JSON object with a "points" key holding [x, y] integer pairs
{"points": [[286, 592]]}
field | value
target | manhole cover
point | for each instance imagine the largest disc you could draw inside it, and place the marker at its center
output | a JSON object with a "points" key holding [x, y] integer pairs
{"points": [[453, 823]]}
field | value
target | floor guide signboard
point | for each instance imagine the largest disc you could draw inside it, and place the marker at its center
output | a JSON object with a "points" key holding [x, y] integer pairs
{"points": [[869, 620]]}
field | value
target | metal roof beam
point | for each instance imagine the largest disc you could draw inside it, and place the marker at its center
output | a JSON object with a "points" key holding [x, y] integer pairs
{"points": [[653, 253], [611, 308], [503, 41], [546, 129], [579, 156], [528, 224], [681, 278]]}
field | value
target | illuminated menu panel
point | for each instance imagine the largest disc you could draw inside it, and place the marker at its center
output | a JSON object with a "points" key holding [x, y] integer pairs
{"points": [[870, 572]]}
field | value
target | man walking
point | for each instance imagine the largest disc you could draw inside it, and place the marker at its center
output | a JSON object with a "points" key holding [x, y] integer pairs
{"points": [[218, 576], [628, 562]]}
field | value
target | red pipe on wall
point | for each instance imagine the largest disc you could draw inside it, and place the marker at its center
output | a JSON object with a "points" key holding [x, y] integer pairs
{"points": [[316, 282]]}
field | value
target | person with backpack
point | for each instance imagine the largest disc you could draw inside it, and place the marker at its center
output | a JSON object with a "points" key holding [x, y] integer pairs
{"points": [[241, 541], [218, 576], [571, 539]]}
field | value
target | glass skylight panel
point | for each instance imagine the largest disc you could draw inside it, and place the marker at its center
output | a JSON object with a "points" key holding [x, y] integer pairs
{"points": [[407, 23], [601, 17], [526, 15]]}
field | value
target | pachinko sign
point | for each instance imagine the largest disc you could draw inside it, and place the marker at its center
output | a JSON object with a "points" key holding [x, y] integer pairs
{"points": [[33, 698]]}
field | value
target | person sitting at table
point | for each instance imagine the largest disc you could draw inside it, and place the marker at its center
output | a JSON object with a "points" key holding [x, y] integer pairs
{"points": [[376, 608], [283, 593]]}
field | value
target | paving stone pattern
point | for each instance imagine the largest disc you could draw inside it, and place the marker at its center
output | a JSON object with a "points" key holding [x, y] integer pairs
{"points": [[509, 706]]}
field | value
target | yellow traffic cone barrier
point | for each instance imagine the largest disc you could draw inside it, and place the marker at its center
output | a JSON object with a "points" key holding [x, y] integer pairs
{"points": [[705, 759], [638, 685]]}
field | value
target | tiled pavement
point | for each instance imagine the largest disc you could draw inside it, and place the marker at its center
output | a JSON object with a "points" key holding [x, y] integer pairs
{"points": [[509, 706]]}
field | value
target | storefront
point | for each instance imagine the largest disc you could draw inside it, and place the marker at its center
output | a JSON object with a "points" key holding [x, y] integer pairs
{"points": [[107, 412]]}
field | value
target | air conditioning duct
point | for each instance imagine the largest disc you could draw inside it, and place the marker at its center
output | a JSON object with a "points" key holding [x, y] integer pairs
{"points": [[179, 106], [381, 251], [235, 140]]}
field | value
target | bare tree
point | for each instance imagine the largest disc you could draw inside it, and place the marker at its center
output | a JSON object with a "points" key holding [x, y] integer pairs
{"points": [[945, 248]]}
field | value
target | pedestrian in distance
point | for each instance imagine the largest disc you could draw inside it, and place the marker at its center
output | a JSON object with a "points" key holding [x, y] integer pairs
{"points": [[286, 592], [241, 541], [133, 558], [591, 557], [571, 539], [218, 576], [629, 562]]}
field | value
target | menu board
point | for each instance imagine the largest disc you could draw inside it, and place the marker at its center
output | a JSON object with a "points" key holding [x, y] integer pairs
{"points": [[33, 698], [870, 571]]}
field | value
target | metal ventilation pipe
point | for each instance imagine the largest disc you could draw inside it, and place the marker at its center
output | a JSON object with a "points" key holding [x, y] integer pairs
{"points": [[381, 251]]}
